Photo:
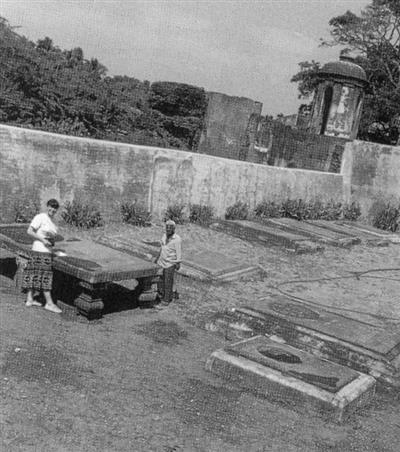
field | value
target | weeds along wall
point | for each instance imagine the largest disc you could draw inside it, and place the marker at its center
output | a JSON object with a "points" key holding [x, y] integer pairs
{"points": [[371, 173], [37, 165]]}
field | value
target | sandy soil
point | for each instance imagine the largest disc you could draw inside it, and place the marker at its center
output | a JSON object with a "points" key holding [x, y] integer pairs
{"points": [[135, 380]]}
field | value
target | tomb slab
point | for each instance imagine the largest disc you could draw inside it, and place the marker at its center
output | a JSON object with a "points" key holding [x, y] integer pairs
{"points": [[363, 236], [281, 372], [367, 348], [319, 234], [268, 235]]}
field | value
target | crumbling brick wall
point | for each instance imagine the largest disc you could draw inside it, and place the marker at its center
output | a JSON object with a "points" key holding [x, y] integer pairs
{"points": [[277, 144]]}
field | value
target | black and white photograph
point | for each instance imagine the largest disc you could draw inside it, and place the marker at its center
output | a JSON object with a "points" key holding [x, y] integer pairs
{"points": [[199, 225]]}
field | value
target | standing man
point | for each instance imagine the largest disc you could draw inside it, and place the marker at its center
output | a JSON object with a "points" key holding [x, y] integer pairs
{"points": [[169, 259]]}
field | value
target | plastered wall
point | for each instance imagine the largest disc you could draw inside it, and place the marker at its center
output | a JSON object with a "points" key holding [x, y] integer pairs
{"points": [[371, 173], [37, 165]]}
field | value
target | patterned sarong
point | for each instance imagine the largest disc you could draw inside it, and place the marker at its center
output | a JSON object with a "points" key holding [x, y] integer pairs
{"points": [[38, 273]]}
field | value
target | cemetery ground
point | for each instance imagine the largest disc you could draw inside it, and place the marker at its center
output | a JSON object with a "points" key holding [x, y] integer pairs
{"points": [[135, 379]]}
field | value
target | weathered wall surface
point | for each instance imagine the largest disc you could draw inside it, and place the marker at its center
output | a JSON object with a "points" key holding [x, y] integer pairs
{"points": [[371, 172], [278, 144], [39, 165], [226, 122]]}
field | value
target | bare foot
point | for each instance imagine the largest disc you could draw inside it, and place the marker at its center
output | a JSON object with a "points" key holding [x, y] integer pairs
{"points": [[30, 303], [52, 308]]}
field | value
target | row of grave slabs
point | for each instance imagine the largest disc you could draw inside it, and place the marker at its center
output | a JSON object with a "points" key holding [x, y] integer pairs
{"points": [[308, 355], [306, 236]]}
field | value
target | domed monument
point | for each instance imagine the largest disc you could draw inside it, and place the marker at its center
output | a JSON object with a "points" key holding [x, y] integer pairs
{"points": [[337, 103]]}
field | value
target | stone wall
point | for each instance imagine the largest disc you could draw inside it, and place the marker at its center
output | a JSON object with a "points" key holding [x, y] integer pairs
{"points": [[38, 165], [278, 144], [371, 173], [226, 123]]}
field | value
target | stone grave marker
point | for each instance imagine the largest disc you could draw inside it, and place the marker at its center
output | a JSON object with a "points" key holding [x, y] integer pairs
{"points": [[281, 372], [314, 232], [357, 226], [203, 264], [267, 235], [363, 236], [364, 347]]}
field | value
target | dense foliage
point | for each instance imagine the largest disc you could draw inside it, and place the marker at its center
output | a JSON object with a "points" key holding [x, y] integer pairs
{"points": [[81, 215], [373, 37], [238, 211], [176, 212], [201, 214], [135, 214], [386, 217], [44, 87], [312, 210]]}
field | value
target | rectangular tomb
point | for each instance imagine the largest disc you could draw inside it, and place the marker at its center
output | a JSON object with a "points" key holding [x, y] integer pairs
{"points": [[202, 264], [267, 235], [281, 372], [363, 347], [93, 265], [323, 235], [363, 236], [357, 226]]}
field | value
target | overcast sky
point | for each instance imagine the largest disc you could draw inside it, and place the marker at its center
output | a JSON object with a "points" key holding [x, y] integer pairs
{"points": [[243, 48]]}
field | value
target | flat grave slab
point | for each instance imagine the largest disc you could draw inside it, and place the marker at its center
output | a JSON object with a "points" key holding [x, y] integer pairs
{"points": [[94, 265], [202, 264], [364, 347], [314, 232], [282, 372], [363, 236], [357, 226], [85, 259], [267, 235]]}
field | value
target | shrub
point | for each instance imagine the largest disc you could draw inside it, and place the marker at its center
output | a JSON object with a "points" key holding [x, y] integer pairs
{"points": [[315, 210], [201, 214], [330, 211], [25, 210], [135, 214], [387, 217], [268, 209], [81, 215], [175, 212], [295, 208], [302, 210], [239, 211], [351, 211]]}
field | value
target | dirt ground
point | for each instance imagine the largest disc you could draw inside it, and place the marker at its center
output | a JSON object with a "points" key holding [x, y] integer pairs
{"points": [[135, 380]]}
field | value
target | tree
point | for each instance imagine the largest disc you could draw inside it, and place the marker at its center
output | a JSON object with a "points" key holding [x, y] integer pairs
{"points": [[45, 87], [373, 37]]}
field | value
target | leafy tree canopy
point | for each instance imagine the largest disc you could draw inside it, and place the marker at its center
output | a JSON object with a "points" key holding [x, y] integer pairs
{"points": [[373, 37], [45, 87]]}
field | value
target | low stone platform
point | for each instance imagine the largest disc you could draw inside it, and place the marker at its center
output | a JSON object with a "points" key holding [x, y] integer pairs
{"points": [[365, 228], [203, 265], [366, 348], [281, 372], [342, 228], [314, 232], [267, 235]]}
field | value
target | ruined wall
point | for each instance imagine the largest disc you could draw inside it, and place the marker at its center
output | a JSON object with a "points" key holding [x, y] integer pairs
{"points": [[371, 173], [226, 122], [38, 165], [277, 144]]}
